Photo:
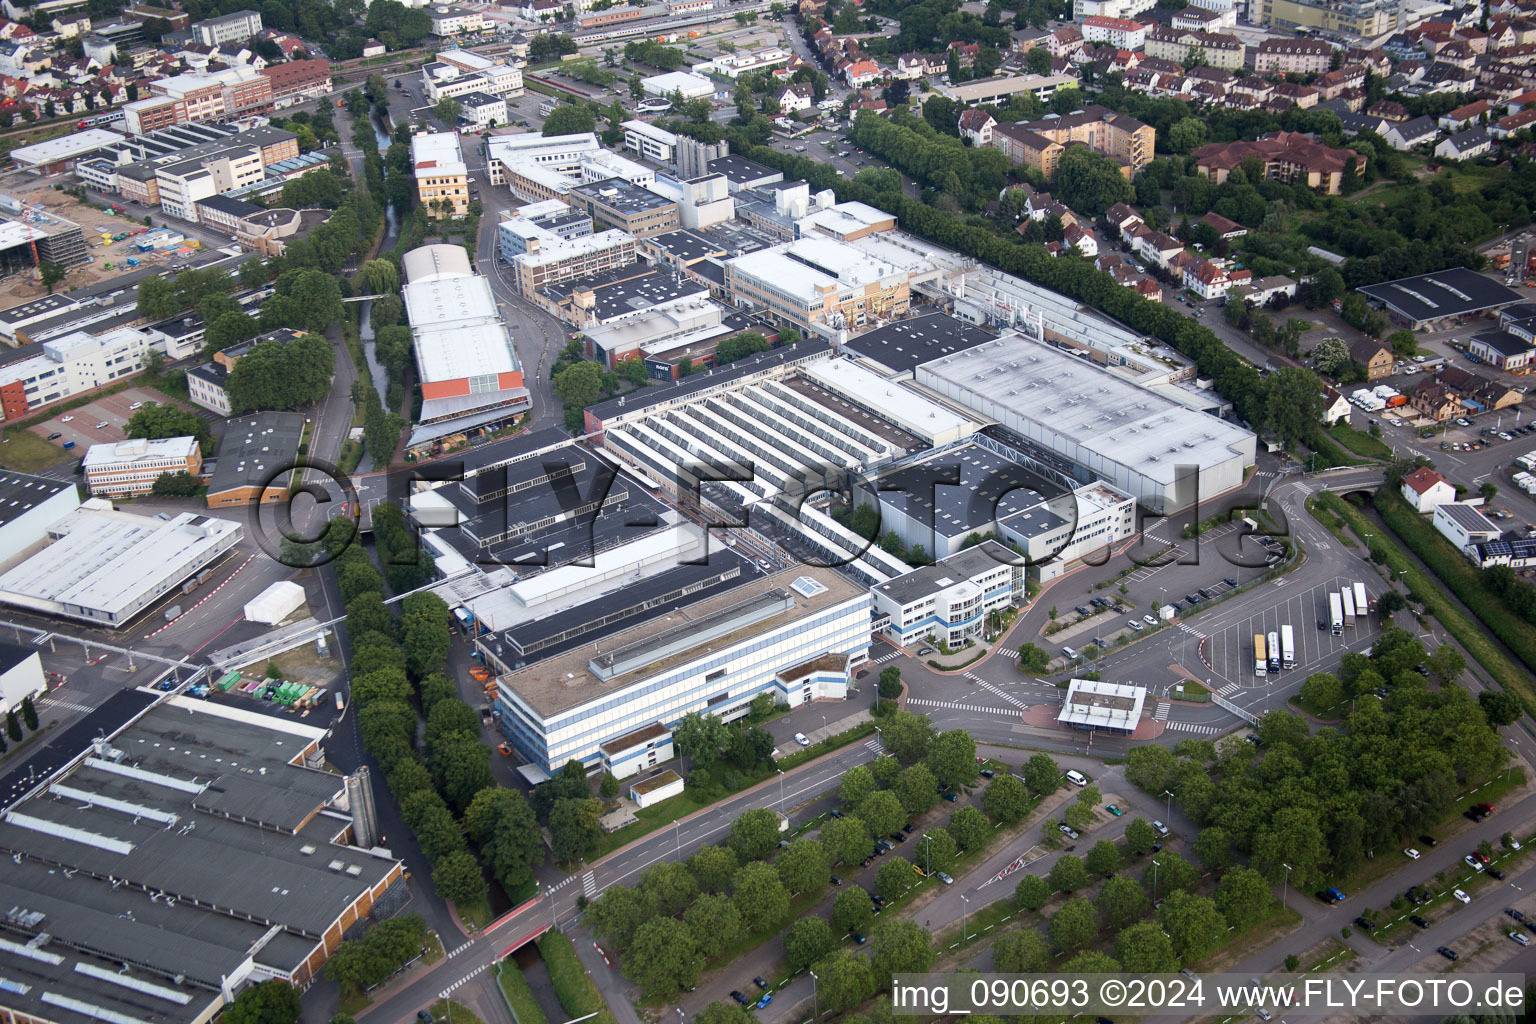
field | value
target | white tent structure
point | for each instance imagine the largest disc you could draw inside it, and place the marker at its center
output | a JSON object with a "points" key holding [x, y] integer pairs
{"points": [[276, 603]]}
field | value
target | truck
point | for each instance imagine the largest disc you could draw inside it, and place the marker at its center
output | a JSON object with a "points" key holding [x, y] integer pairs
{"points": [[172, 613], [1335, 614], [1260, 662], [1287, 647], [341, 702], [1362, 606], [1347, 599], [1272, 646]]}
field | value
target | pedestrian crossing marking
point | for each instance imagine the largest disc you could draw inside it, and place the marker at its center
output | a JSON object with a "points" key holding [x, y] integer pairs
{"points": [[888, 657], [956, 706], [445, 993], [588, 884], [1198, 730], [1010, 698], [44, 703], [1161, 714], [1229, 689], [1192, 631]]}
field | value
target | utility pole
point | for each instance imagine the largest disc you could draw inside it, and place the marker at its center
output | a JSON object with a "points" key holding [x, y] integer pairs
{"points": [[1167, 805], [1155, 865], [965, 906], [815, 997], [927, 858], [781, 790]]}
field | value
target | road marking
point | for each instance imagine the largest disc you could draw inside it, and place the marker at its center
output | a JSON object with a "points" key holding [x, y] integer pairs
{"points": [[1198, 730], [445, 993], [953, 706], [588, 884], [453, 953], [45, 703], [892, 657], [1161, 714], [1229, 689], [872, 745], [1010, 698], [1186, 627], [1012, 655]]}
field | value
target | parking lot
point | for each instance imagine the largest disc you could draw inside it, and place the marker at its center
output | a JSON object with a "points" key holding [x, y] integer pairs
{"points": [[1226, 645], [98, 421]]}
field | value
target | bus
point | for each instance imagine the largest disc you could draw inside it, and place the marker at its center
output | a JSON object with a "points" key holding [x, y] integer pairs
{"points": [[1362, 608], [1272, 646], [1347, 599], [1335, 614], [1287, 647], [1260, 662]]}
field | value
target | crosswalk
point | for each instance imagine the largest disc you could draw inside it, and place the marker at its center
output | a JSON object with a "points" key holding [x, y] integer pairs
{"points": [[588, 885], [1161, 714], [445, 993], [44, 703], [1010, 655], [888, 657], [1265, 474], [1229, 689], [1010, 698], [874, 745], [455, 952], [1192, 631], [957, 706], [1198, 730]]}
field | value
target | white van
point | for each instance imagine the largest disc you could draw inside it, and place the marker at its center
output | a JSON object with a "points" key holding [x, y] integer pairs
{"points": [[1077, 778], [1069, 652]]}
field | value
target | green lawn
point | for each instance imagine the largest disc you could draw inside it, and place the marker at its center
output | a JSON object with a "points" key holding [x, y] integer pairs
{"points": [[1360, 442], [525, 1007], [446, 1010], [574, 988], [25, 452]]}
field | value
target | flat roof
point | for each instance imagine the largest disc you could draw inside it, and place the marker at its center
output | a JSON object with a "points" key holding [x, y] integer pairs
{"points": [[627, 289], [650, 131], [255, 449], [901, 416], [66, 147], [437, 153], [1091, 704], [740, 171], [902, 345], [959, 567], [1088, 407], [464, 350], [963, 490], [1455, 291], [618, 194], [120, 454], [807, 266], [20, 493], [714, 377]]}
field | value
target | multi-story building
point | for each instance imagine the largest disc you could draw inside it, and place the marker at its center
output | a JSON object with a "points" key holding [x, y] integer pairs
{"points": [[122, 468], [1084, 9], [1121, 33], [482, 110], [186, 183], [295, 81], [1181, 45], [459, 72], [454, 21], [1039, 144], [818, 280], [207, 385], [230, 28], [1292, 56], [442, 179], [950, 600], [649, 142], [615, 203], [550, 243], [1290, 157], [40, 374], [1363, 18], [229, 93]]}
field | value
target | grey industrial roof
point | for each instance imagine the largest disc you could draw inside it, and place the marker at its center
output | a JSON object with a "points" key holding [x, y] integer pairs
{"points": [[107, 718], [20, 493], [619, 194], [235, 207], [686, 245], [712, 378], [255, 449], [625, 290], [1502, 342], [12, 655], [962, 565], [902, 345], [1467, 517], [1455, 291], [741, 171], [963, 490]]}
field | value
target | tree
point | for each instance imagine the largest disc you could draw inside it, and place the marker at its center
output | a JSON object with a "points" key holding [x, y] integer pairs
{"points": [[266, 1002], [856, 785], [713, 867], [699, 737], [381, 276], [1500, 707], [461, 763], [1031, 893], [852, 910], [448, 111], [1185, 134], [503, 826], [155, 420], [1139, 836], [803, 866], [1089, 181], [970, 828], [574, 832], [1042, 775], [935, 851], [179, 484], [1145, 948], [1214, 846], [29, 713], [1006, 800], [1446, 664], [844, 979], [52, 274], [908, 737], [806, 941], [458, 879], [1034, 660], [846, 840], [614, 916], [315, 292], [1020, 952], [1073, 926], [1038, 61], [1330, 356], [894, 877], [1242, 896], [569, 119], [578, 385], [1122, 901], [663, 958], [1068, 874], [754, 834], [1295, 404], [882, 812], [1103, 859], [890, 683], [1193, 924], [1320, 693], [952, 758], [759, 896], [668, 888], [900, 947]]}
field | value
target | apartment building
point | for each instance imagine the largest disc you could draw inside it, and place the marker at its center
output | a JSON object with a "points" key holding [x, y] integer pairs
{"points": [[442, 179], [230, 28], [1292, 56], [550, 243], [1290, 157], [1217, 49], [454, 21], [1121, 33], [1362, 18], [123, 468], [1039, 144]]}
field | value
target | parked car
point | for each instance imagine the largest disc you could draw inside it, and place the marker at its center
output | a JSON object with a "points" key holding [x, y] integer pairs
{"points": [[1461, 897], [923, 652], [1472, 862], [1135, 625], [55, 436], [1364, 925], [858, 939], [941, 876], [1150, 620], [736, 995], [1496, 874], [66, 419], [765, 1000], [1411, 853], [760, 983], [802, 739], [1419, 922], [897, 837], [1162, 829], [988, 773], [102, 425], [1112, 809], [1521, 938], [1067, 830], [1448, 953]]}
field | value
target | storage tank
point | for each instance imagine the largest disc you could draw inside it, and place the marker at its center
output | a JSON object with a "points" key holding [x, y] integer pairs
{"points": [[365, 819]]}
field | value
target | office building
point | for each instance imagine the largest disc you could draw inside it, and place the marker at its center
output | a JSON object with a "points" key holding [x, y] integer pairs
{"points": [[230, 28], [130, 467], [471, 380], [28, 506], [38, 374], [107, 568], [256, 459], [228, 93], [483, 110], [649, 142], [1366, 19], [950, 600], [442, 179], [818, 280], [615, 203], [296, 81], [457, 73]]}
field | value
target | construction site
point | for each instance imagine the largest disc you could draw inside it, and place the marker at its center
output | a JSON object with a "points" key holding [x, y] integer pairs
{"points": [[92, 244]]}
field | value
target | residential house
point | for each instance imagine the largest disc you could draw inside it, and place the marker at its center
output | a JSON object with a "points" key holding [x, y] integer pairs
{"points": [[1206, 279], [1289, 157], [1155, 246], [797, 97], [965, 53], [1504, 127], [1294, 94], [1371, 356], [1121, 33], [1464, 116], [1407, 134], [1080, 238], [1148, 288], [1520, 101], [1388, 110], [861, 73], [977, 125], [1424, 489], [1335, 407], [1225, 229], [1467, 145], [1433, 400], [920, 65], [1064, 41], [1119, 216], [1204, 19], [1263, 291]]}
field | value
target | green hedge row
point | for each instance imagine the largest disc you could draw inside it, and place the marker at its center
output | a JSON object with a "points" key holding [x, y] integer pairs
{"points": [[573, 987], [520, 998]]}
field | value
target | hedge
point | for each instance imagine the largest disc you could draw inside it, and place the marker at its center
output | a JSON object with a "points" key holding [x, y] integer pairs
{"points": [[1456, 574], [520, 998], [573, 987]]}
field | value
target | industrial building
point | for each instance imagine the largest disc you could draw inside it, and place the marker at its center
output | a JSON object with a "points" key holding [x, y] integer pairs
{"points": [[123, 468], [21, 675], [256, 459], [229, 93], [615, 203], [28, 506], [896, 349], [107, 568], [458, 73], [950, 600], [648, 142], [42, 373], [54, 156], [21, 228], [180, 857], [471, 380], [537, 167], [665, 86], [1094, 423], [1107, 707], [1438, 299], [818, 281]]}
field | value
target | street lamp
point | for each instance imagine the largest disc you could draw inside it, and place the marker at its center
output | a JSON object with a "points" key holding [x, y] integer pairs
{"points": [[815, 996], [553, 921], [1286, 888], [965, 931], [879, 738], [927, 859], [1155, 865], [1167, 805], [677, 833]]}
